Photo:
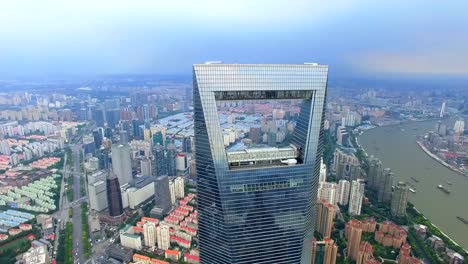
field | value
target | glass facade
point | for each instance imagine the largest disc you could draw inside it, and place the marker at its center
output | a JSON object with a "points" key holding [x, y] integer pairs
{"points": [[114, 196], [258, 214]]}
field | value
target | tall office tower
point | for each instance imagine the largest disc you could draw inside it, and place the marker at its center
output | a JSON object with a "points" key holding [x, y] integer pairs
{"points": [[324, 252], [159, 160], [146, 114], [97, 139], [163, 237], [343, 192], [250, 200], [442, 110], [123, 137], [98, 116], [385, 186], [162, 197], [375, 173], [149, 234], [97, 195], [104, 160], [328, 191], [181, 164], [179, 187], [112, 117], [114, 195], [325, 216], [356, 196], [400, 199], [145, 165], [353, 232], [187, 145], [97, 190], [171, 160], [121, 163], [136, 128]]}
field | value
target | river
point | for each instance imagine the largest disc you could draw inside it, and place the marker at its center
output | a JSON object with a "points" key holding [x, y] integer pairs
{"points": [[396, 147]]}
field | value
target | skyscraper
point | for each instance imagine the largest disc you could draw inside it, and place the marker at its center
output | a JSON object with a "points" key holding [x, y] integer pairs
{"points": [[145, 165], [171, 160], [250, 200], [400, 199], [97, 139], [356, 196], [375, 173], [160, 160], [162, 196], [114, 195], [324, 252], [121, 163], [442, 110], [325, 216], [385, 186]]}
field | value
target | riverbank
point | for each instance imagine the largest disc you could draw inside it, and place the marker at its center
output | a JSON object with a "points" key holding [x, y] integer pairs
{"points": [[422, 172], [435, 228], [434, 156]]}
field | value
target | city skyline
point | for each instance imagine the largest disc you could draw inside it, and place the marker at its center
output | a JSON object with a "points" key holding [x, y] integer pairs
{"points": [[222, 132]]}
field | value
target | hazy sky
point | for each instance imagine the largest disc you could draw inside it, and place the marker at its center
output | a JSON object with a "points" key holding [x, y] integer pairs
{"points": [[92, 37]]}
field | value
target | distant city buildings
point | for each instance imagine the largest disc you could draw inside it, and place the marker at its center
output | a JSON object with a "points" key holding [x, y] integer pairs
{"points": [[97, 191], [121, 163], [346, 165], [114, 195]]}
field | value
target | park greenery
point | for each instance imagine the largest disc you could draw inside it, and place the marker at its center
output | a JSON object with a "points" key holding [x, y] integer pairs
{"points": [[65, 248], [85, 228], [9, 250]]}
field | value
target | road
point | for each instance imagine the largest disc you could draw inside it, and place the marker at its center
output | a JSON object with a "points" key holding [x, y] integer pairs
{"points": [[77, 223]]}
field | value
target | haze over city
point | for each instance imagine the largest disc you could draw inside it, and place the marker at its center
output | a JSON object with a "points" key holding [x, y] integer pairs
{"points": [[51, 37], [233, 132]]}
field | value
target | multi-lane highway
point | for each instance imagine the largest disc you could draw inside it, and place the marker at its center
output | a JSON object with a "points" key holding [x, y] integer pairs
{"points": [[78, 251]]}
